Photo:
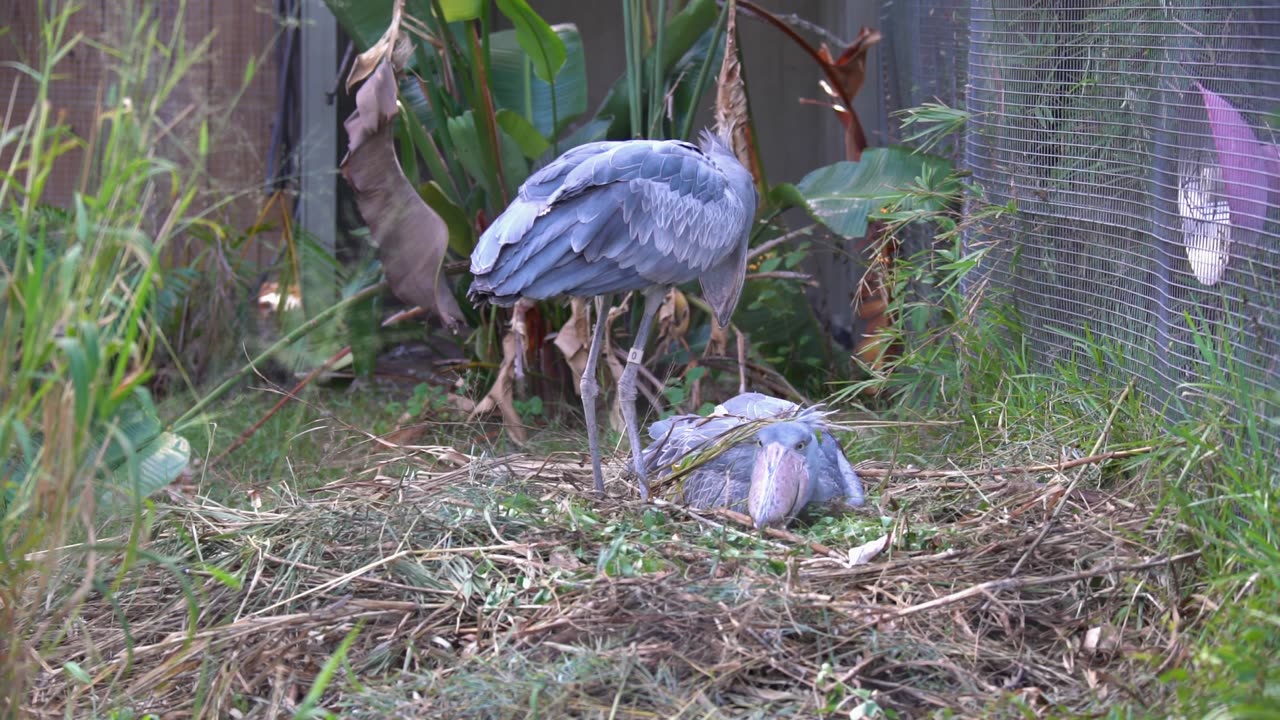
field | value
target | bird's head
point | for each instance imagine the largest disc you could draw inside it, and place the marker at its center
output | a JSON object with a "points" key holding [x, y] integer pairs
{"points": [[781, 482]]}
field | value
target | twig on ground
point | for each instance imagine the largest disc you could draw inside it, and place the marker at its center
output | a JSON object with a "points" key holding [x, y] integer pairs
{"points": [[284, 399], [1010, 583], [1007, 470], [293, 393]]}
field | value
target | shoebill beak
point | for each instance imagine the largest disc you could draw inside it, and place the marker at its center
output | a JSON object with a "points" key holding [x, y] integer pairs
{"points": [[779, 484]]}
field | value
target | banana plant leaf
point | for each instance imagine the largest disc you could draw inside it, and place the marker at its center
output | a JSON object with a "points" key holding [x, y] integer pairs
{"points": [[679, 35], [466, 139], [843, 195], [146, 459], [540, 43], [517, 87], [138, 458], [685, 76], [364, 21]]}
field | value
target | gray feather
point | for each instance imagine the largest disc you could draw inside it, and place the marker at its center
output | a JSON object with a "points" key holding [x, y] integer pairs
{"points": [[725, 479], [612, 217]]}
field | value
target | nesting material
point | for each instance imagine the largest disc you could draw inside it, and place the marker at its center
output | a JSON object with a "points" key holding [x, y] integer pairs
{"points": [[480, 585]]}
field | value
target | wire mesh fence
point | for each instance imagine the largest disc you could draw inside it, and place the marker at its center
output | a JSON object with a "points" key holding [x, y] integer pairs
{"points": [[1138, 140]]}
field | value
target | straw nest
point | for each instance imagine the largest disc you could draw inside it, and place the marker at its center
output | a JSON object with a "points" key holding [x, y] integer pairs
{"points": [[481, 587]]}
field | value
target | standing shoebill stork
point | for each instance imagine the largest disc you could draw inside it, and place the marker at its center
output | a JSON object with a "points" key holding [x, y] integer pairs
{"points": [[614, 217], [790, 461]]}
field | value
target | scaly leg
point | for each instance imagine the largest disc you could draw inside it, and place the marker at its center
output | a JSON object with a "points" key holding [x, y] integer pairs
{"points": [[590, 388], [742, 359], [627, 383]]}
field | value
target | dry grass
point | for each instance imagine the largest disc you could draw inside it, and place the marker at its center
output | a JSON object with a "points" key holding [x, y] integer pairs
{"points": [[500, 588]]}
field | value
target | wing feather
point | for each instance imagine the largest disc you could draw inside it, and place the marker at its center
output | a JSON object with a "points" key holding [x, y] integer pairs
{"points": [[636, 213], [676, 437]]}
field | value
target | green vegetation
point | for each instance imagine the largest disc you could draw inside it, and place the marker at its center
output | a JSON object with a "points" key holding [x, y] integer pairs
{"points": [[79, 305], [370, 552]]}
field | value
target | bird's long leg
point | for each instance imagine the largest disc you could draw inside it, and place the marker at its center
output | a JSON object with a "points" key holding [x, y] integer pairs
{"points": [[627, 383], [742, 359], [590, 389]]}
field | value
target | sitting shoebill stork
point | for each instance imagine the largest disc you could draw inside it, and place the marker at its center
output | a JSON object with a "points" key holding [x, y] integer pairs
{"points": [[792, 460], [615, 217]]}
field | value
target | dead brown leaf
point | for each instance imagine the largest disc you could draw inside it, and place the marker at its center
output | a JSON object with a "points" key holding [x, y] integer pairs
{"points": [[393, 47], [615, 365], [410, 236], [673, 321], [574, 340], [733, 114], [502, 394], [866, 552], [564, 559], [843, 75], [850, 70]]}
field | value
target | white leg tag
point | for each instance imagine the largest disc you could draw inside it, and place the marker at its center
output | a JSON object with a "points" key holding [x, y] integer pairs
{"points": [[635, 355]]}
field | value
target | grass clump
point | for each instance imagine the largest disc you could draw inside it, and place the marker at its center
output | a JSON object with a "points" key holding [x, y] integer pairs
{"points": [[81, 291]]}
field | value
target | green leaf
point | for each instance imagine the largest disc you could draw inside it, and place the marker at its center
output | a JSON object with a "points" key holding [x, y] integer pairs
{"points": [[459, 10], [154, 466], [543, 46], [364, 21], [222, 576], [310, 705], [140, 458], [82, 219], [679, 35], [135, 429], [516, 86], [466, 141], [250, 70], [842, 195], [74, 670], [82, 360], [588, 132], [461, 235], [531, 142], [415, 121], [685, 76]]}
